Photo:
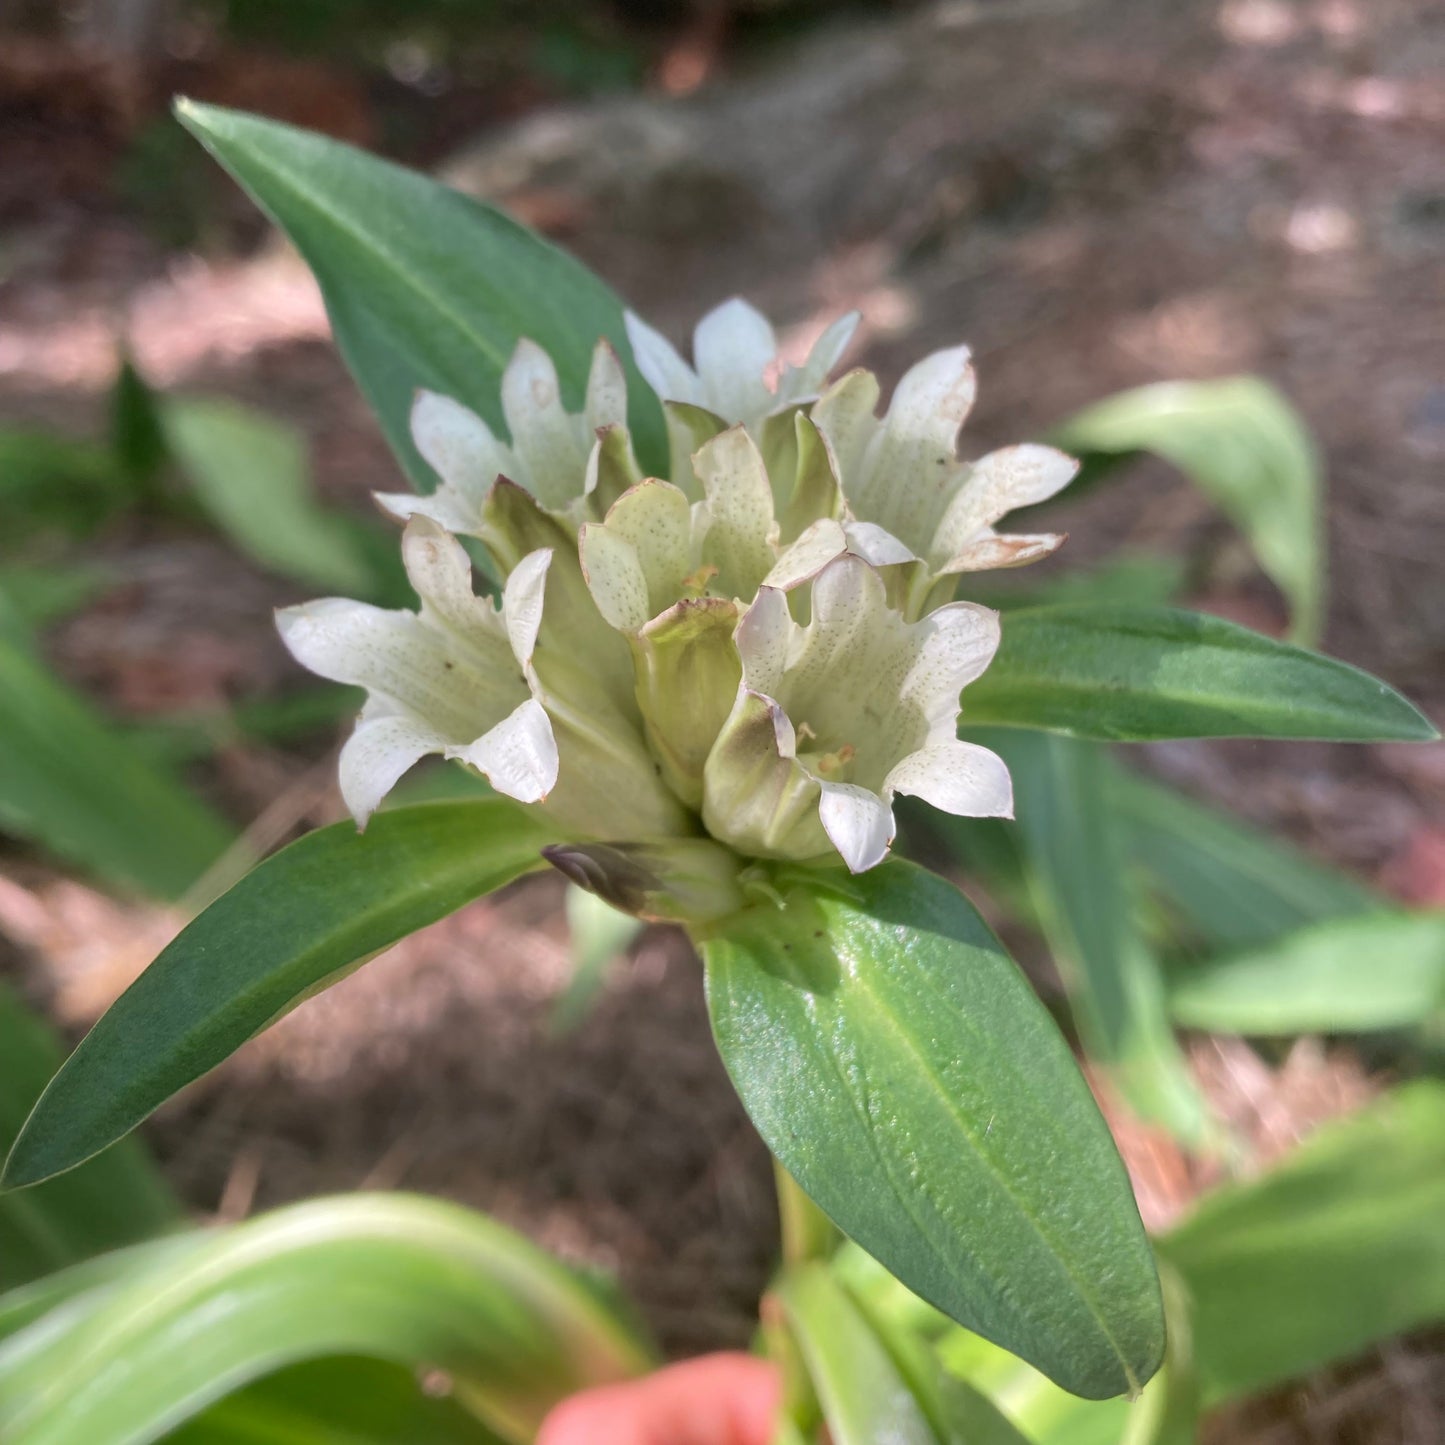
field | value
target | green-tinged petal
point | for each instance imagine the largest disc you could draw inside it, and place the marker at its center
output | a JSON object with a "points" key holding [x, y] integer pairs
{"points": [[757, 797], [687, 680], [736, 523], [459, 446], [654, 520], [816, 492], [689, 428], [800, 382], [611, 468]]}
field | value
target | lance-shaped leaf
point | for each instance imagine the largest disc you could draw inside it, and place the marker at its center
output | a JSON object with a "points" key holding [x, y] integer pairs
{"points": [[1374, 971], [1130, 674], [77, 787], [1235, 886], [906, 1075], [1338, 1247], [425, 287], [114, 1200], [1243, 444], [292, 926], [1073, 849], [419, 1282]]}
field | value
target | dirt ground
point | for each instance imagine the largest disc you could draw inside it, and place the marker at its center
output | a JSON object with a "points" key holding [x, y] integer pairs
{"points": [[1094, 195]]}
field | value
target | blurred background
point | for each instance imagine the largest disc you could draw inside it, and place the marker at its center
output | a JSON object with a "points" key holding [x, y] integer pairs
{"points": [[1095, 194]]}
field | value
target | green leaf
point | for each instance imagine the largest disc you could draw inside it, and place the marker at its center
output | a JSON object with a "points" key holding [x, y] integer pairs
{"points": [[1074, 849], [1242, 443], [291, 927], [863, 1395], [55, 482], [600, 936], [1338, 1247], [38, 594], [425, 287], [1131, 674], [419, 1282], [348, 1400], [72, 784], [903, 1071], [1349, 975], [1236, 886], [249, 472], [136, 433], [115, 1199]]}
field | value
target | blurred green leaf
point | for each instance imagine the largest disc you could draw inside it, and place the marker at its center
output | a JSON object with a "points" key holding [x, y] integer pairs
{"points": [[1236, 886], [339, 1401], [1130, 674], [599, 936], [71, 783], [880, 1038], [1242, 443], [38, 594], [416, 1281], [249, 473], [863, 1394], [52, 482], [1074, 850], [425, 287], [296, 924], [116, 1198], [137, 436], [1336, 1248], [1347, 975]]}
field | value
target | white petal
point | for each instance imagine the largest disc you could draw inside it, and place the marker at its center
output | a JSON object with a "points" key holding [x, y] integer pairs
{"points": [[997, 484], [376, 754], [440, 572], [606, 390], [518, 756], [657, 359], [458, 445], [732, 348], [396, 655], [763, 639], [958, 643], [958, 777], [522, 603], [818, 545], [446, 507], [859, 824], [932, 401], [548, 441], [876, 545], [994, 550], [810, 378]]}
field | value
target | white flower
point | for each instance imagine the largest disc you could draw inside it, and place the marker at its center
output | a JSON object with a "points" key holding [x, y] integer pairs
{"points": [[834, 718], [557, 456], [455, 678], [902, 480], [737, 376]]}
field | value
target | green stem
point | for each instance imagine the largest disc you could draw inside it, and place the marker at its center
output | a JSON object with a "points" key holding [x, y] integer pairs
{"points": [[808, 1233]]}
